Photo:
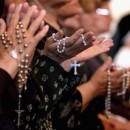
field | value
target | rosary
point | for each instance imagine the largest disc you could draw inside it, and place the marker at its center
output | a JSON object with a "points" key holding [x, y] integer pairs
{"points": [[61, 49], [125, 84], [22, 59], [108, 97]]}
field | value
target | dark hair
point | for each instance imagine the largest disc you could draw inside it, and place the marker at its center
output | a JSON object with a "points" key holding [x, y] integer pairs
{"points": [[123, 28], [1, 7]]}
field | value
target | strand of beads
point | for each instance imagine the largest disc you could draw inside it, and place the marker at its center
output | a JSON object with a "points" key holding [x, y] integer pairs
{"points": [[83, 40], [108, 97], [21, 57], [22, 66], [61, 43], [125, 84], [5, 40], [7, 43]]}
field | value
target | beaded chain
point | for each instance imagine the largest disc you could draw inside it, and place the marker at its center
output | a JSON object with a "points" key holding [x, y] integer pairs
{"points": [[5, 40], [83, 40], [108, 97], [61, 44], [22, 59], [125, 84], [23, 64]]}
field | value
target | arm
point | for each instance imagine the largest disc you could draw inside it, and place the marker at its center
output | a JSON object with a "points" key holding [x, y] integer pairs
{"points": [[97, 85], [5, 82]]}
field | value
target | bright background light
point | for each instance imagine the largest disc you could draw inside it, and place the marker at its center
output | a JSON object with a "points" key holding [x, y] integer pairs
{"points": [[119, 9]]}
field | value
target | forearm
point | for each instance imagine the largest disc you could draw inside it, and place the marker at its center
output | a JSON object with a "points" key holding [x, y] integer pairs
{"points": [[5, 80], [7, 90], [9, 64], [88, 93], [49, 78]]}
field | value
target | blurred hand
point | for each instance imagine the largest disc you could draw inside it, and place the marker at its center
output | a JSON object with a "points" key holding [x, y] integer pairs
{"points": [[73, 45], [100, 79], [114, 123], [32, 32]]}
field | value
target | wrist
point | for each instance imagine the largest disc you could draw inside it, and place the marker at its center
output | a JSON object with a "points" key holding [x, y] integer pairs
{"points": [[9, 65], [93, 89]]}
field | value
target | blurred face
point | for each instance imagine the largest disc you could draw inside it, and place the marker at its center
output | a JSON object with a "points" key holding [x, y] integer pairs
{"points": [[87, 22], [103, 18], [54, 3], [68, 15], [70, 9]]}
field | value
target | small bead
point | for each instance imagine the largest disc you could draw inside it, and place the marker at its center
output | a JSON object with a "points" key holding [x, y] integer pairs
{"points": [[19, 42], [4, 41], [25, 45], [11, 43], [17, 36], [17, 27], [23, 31], [21, 26], [20, 50], [20, 22], [24, 36]]}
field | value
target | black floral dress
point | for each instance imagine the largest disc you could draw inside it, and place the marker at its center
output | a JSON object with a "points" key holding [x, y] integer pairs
{"points": [[8, 94], [51, 97]]}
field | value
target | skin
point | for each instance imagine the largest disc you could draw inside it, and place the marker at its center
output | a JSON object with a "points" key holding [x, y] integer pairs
{"points": [[114, 123], [7, 4], [32, 37], [96, 86], [72, 45], [96, 83], [77, 48], [70, 40], [72, 48]]}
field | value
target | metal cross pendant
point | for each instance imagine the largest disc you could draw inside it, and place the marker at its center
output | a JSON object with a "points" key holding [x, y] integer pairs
{"points": [[75, 65], [19, 115], [19, 111]]}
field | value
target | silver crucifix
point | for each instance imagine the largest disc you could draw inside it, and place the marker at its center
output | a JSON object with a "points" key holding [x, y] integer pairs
{"points": [[75, 65]]}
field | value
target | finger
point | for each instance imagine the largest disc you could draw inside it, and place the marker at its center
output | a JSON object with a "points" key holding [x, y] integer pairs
{"points": [[88, 38], [106, 64], [15, 17], [35, 14], [118, 73], [41, 25], [79, 45], [74, 38], [10, 13], [108, 42], [106, 45], [27, 17], [41, 34], [57, 36], [24, 9], [2, 26], [36, 23], [99, 40]]}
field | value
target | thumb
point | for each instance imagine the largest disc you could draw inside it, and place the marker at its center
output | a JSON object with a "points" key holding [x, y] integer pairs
{"points": [[106, 64], [2, 26]]}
